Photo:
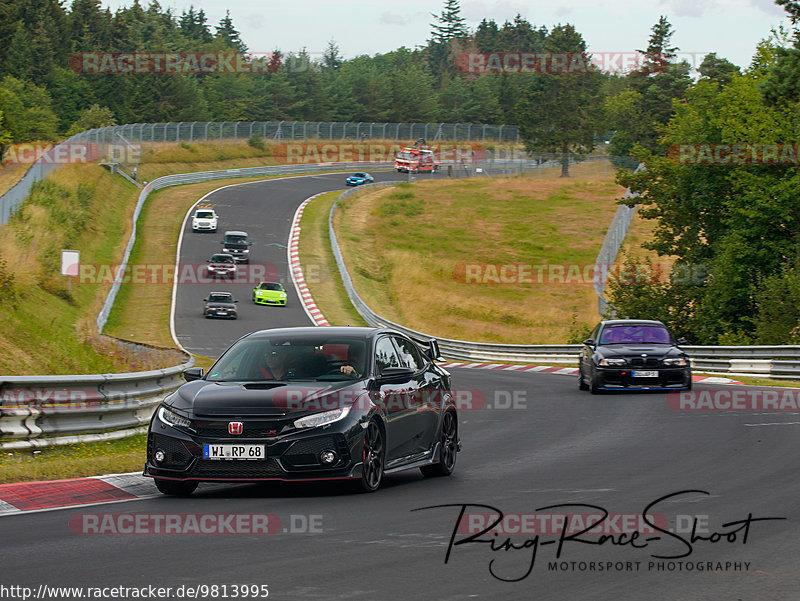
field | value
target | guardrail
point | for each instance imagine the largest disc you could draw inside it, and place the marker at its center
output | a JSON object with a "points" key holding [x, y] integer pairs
{"points": [[772, 361], [39, 411]]}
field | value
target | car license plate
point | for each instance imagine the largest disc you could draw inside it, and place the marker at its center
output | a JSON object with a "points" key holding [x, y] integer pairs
{"points": [[234, 451], [645, 374]]}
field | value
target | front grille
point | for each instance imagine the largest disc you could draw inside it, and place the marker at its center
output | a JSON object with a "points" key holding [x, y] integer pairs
{"points": [[250, 430], [645, 362], [176, 455], [208, 468]]}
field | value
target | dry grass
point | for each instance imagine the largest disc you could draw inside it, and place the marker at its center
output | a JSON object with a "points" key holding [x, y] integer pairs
{"points": [[408, 260]]}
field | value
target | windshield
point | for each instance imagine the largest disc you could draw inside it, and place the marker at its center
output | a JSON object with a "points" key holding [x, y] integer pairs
{"points": [[268, 286], [221, 259], [204, 215], [310, 357], [405, 155], [235, 239], [635, 335], [220, 298]]}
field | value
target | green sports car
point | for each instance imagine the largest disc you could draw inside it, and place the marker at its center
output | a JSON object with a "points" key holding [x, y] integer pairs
{"points": [[269, 293]]}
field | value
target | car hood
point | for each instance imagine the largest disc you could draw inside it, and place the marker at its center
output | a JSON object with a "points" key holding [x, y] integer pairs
{"points": [[221, 305], [212, 399], [269, 292], [651, 350]]}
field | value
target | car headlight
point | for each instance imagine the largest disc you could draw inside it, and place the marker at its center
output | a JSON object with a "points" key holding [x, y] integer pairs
{"points": [[612, 362], [246, 250], [676, 361], [282, 295], [322, 419], [173, 419]]}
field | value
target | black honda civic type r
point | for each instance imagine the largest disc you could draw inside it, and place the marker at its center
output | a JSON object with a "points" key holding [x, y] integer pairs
{"points": [[293, 404]]}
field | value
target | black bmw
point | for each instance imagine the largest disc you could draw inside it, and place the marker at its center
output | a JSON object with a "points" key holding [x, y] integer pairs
{"points": [[632, 354], [307, 404]]}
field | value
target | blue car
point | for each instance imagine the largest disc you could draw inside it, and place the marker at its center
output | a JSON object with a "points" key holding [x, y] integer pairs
{"points": [[359, 178]]}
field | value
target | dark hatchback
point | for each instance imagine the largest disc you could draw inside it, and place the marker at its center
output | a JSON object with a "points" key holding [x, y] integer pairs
{"points": [[626, 354], [333, 403]]}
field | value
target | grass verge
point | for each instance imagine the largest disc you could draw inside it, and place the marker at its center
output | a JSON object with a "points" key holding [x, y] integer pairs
{"points": [[74, 461], [493, 260]]}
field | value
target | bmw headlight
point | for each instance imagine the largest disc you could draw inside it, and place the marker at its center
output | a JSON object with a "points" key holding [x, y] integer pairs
{"points": [[173, 419], [613, 362], [322, 419], [676, 361]]}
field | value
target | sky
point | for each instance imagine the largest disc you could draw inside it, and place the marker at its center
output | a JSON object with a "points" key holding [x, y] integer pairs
{"points": [[731, 28]]}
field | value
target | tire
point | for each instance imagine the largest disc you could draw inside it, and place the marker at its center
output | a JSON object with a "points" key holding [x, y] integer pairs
{"points": [[581, 384], [448, 449], [174, 487], [593, 386], [373, 455]]}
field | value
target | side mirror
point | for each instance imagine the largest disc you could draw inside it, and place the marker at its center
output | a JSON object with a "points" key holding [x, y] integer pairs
{"points": [[683, 341], [208, 260], [235, 301], [205, 300], [433, 351], [193, 373], [396, 375], [589, 342]]}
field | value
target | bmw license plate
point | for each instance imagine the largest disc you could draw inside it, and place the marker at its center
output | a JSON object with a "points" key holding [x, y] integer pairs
{"points": [[645, 374], [234, 451]]}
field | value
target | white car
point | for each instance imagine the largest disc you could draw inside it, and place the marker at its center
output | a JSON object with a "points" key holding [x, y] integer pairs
{"points": [[204, 220]]}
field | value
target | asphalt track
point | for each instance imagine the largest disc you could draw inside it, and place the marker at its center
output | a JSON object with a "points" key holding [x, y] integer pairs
{"points": [[553, 446]]}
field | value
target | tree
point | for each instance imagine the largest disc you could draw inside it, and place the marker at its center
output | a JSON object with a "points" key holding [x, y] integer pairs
{"points": [[718, 69], [228, 34], [332, 58], [659, 53], [450, 24], [27, 112], [558, 111], [94, 117], [194, 25]]}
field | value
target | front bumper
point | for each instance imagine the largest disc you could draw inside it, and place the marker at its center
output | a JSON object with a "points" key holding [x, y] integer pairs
{"points": [[221, 273], [227, 314], [294, 457], [615, 378], [204, 227], [262, 300]]}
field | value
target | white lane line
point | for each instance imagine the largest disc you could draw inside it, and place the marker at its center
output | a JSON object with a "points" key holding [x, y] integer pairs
{"points": [[775, 424]]}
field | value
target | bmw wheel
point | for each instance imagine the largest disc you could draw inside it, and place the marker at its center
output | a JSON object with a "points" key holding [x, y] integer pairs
{"points": [[448, 448], [372, 455], [581, 383]]}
